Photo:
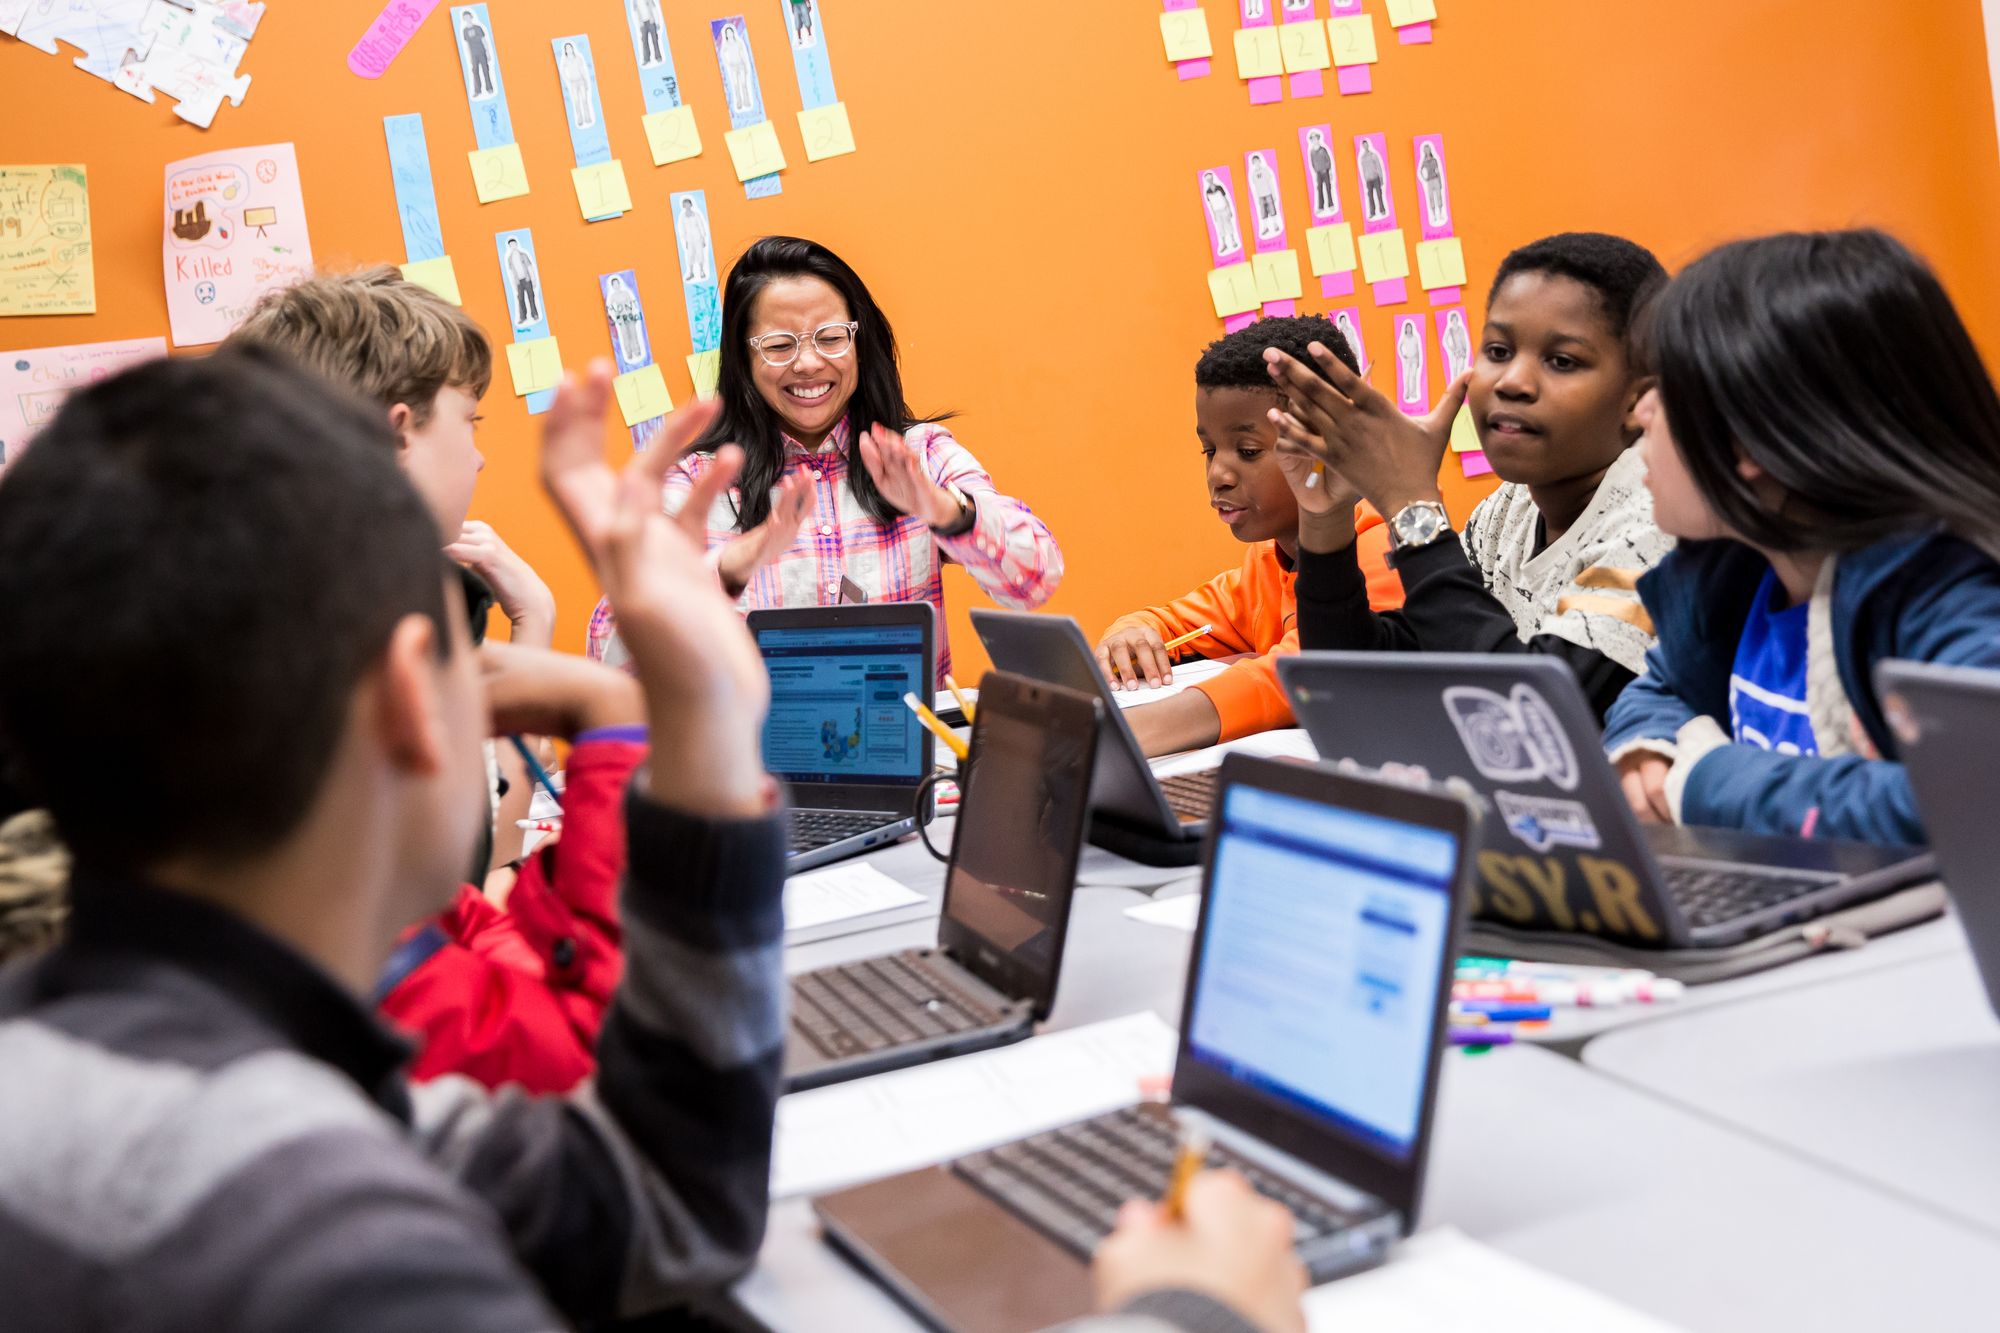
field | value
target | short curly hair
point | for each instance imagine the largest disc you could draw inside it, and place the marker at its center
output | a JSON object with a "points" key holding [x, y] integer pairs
{"points": [[1624, 274], [1236, 360]]}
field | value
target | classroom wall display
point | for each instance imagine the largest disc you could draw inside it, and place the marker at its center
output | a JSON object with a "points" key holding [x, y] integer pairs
{"points": [[753, 143], [498, 171], [1350, 32], [188, 50], [425, 261], [641, 389], [1303, 46], [534, 360], [33, 383], [701, 286], [823, 122], [601, 191], [1184, 31], [1330, 238], [1440, 257], [1275, 264], [1232, 282], [234, 228], [388, 35], [1385, 263], [1413, 383], [46, 267], [671, 132], [1260, 58]]}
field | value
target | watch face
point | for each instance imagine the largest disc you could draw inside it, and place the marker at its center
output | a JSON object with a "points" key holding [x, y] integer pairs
{"points": [[1418, 525]]}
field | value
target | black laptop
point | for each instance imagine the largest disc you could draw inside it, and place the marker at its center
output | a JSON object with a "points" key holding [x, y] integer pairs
{"points": [[1133, 813], [1007, 894], [1310, 1039], [1948, 721], [1562, 850], [849, 751]]}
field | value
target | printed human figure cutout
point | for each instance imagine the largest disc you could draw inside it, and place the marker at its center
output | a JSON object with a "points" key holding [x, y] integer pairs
{"points": [[736, 69], [623, 308], [1374, 182], [1410, 363], [1457, 344], [805, 25], [527, 285], [576, 87], [1264, 191], [1221, 215], [646, 18], [1430, 171], [478, 56], [1353, 336], [1320, 159], [697, 254], [1298, 6], [1253, 9]]}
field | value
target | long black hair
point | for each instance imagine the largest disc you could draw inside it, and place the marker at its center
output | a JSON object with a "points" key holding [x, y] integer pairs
{"points": [[747, 420], [1835, 362]]}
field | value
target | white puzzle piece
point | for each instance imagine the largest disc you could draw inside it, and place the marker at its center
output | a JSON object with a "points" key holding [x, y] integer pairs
{"points": [[187, 49]]}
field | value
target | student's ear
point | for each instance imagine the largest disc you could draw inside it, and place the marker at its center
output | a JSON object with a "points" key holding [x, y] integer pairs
{"points": [[401, 418], [1638, 389], [409, 713]]}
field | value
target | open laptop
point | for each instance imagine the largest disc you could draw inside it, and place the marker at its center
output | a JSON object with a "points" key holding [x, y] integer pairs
{"points": [[1563, 851], [1007, 893], [1948, 721], [850, 753], [1133, 813], [1310, 1039]]}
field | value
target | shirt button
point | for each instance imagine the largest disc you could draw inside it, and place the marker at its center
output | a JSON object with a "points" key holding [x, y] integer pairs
{"points": [[564, 952], [826, 529]]}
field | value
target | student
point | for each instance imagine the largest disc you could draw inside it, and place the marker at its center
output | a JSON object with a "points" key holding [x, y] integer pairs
{"points": [[206, 1126], [1547, 562], [1826, 442], [811, 390], [1251, 607]]}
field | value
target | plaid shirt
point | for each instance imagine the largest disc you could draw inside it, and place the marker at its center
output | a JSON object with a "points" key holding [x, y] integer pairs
{"points": [[1009, 552]]}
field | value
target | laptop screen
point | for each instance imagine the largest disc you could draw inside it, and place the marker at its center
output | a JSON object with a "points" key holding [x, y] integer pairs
{"points": [[1326, 931], [837, 712]]}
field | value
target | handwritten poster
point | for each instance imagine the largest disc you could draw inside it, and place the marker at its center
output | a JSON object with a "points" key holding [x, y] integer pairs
{"points": [[45, 264], [235, 228], [33, 384]]}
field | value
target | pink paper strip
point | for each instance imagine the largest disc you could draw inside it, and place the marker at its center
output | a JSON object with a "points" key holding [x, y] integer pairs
{"points": [[1336, 284], [1270, 88], [1323, 196], [1447, 296], [1265, 91], [1434, 202], [1475, 465], [1267, 211], [1306, 83], [388, 35], [1352, 79], [1378, 205], [1189, 69], [1218, 204], [1235, 322], [1348, 320], [1454, 342], [1413, 378], [1417, 34]]}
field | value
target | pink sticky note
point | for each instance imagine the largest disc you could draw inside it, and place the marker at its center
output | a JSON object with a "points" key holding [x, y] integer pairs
{"points": [[1475, 465], [388, 35], [1393, 292], [1354, 79], [1280, 309], [1417, 34], [1193, 69], [1235, 322], [1267, 90], [1447, 296], [1336, 284]]}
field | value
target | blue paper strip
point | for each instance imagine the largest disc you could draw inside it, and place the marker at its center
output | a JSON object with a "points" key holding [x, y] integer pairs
{"points": [[479, 58], [742, 91], [582, 107], [700, 283], [521, 278], [631, 342], [809, 59], [416, 198], [657, 79]]}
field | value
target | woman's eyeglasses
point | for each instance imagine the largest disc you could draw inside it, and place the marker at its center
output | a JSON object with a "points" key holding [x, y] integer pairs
{"points": [[829, 340]]}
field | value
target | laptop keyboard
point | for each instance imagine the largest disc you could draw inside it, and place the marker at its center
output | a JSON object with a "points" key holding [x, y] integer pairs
{"points": [[881, 1002], [1069, 1183], [1191, 796], [1709, 895], [814, 829]]}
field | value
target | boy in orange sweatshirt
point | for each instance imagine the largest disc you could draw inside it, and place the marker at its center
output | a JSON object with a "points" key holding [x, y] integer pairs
{"points": [[1250, 609]]}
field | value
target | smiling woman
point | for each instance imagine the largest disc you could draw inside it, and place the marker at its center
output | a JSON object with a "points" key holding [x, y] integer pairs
{"points": [[812, 392]]}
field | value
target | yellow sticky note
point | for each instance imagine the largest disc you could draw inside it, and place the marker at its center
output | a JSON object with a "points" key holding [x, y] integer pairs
{"points": [[703, 369], [672, 135], [437, 275], [46, 263], [1402, 13], [826, 131], [755, 150], [1440, 263], [498, 173], [1234, 290], [1464, 435], [1185, 31], [1331, 249], [1383, 257], [642, 394], [1278, 275], [1304, 47], [601, 191], [535, 365], [1257, 53], [1353, 39]]}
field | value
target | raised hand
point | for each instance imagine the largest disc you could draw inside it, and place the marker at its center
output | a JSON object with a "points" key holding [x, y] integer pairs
{"points": [[1390, 459], [902, 480], [749, 552], [522, 595]]}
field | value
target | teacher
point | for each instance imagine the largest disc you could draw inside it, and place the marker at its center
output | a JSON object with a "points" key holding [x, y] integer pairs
{"points": [[840, 478]]}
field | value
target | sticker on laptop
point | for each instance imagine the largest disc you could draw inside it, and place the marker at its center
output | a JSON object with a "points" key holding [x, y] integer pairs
{"points": [[1515, 738], [1543, 822]]}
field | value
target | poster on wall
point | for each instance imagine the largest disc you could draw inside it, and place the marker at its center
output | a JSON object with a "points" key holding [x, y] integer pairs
{"points": [[45, 260], [235, 227], [34, 383]]}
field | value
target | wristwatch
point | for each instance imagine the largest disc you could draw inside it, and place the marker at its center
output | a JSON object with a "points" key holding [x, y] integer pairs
{"points": [[1418, 524], [967, 515]]}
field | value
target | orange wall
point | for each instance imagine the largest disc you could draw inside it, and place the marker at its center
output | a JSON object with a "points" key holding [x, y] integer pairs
{"points": [[1023, 201]]}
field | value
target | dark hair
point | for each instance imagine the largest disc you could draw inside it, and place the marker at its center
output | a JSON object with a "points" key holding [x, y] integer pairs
{"points": [[199, 560], [1624, 274], [1236, 360], [747, 420], [1835, 362]]}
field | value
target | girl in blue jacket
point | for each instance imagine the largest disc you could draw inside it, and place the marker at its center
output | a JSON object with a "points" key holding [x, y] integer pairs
{"points": [[1826, 442]]}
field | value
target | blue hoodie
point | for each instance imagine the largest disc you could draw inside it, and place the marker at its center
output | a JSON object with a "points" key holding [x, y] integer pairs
{"points": [[1928, 598]]}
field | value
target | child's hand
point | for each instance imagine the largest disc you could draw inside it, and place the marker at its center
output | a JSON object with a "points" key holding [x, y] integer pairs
{"points": [[1326, 501], [1643, 775], [1134, 656], [523, 597], [746, 554], [537, 692], [1230, 1244], [1392, 460]]}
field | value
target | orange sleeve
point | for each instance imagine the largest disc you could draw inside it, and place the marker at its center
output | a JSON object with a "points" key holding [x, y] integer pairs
{"points": [[1248, 697], [1371, 549], [1215, 603]]}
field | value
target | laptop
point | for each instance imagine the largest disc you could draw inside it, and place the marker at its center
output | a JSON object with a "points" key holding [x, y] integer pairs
{"points": [[850, 754], [1948, 720], [1562, 851], [1007, 893], [1133, 813], [1309, 1047]]}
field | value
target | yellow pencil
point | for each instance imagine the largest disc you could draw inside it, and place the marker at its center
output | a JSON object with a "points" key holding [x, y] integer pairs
{"points": [[937, 728], [1188, 1162], [1189, 637], [964, 706]]}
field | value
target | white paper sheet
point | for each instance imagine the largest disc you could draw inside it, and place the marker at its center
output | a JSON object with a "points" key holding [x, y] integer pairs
{"points": [[1291, 743], [841, 893], [1186, 676], [1174, 913]]}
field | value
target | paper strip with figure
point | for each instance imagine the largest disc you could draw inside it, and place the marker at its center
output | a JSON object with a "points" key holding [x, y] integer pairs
{"points": [[701, 283], [1347, 319], [46, 266], [1440, 261], [1454, 341], [416, 197], [1385, 263], [1225, 228], [1413, 381], [601, 191], [631, 343], [1184, 27], [1350, 31], [34, 383], [742, 90], [1303, 37], [1260, 168], [657, 80], [823, 122], [497, 169], [1323, 198], [1412, 20], [235, 227], [521, 278], [1264, 88]]}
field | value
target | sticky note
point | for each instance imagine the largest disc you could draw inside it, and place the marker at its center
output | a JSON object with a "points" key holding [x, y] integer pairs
{"points": [[1353, 39], [1402, 13], [498, 173], [755, 150], [535, 365], [1257, 53], [601, 191], [1475, 465], [1440, 263], [1234, 290], [1185, 31], [1383, 258], [1331, 249], [673, 135], [1464, 435], [704, 368], [1304, 47], [436, 275], [826, 131], [1277, 274], [642, 394]]}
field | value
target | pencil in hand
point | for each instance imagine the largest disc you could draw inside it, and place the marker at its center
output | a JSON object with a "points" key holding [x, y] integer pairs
{"points": [[1188, 637], [1188, 1160]]}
